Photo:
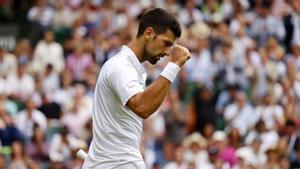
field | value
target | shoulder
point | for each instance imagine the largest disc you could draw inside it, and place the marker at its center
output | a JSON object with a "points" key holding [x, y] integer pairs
{"points": [[119, 64]]}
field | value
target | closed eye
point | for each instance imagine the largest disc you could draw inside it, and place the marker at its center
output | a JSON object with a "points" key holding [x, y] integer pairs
{"points": [[168, 43]]}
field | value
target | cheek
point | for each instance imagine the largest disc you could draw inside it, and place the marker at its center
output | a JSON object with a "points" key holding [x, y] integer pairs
{"points": [[152, 48], [149, 47]]}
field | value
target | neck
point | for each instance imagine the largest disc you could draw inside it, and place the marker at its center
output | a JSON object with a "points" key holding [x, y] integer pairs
{"points": [[137, 46]]}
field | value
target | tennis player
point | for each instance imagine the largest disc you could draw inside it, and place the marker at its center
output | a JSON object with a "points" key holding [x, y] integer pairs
{"points": [[121, 100]]}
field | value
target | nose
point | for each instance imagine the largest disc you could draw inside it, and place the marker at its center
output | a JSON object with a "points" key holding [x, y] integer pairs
{"points": [[167, 51]]}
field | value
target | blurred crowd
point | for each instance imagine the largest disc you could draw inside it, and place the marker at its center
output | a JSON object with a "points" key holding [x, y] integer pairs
{"points": [[234, 105]]}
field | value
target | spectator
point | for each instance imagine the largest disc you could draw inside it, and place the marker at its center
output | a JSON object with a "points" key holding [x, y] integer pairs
{"points": [[23, 52], [49, 108], [78, 63], [178, 161], [19, 158], [27, 118], [201, 59], [291, 24], [79, 113], [20, 86], [202, 110], [46, 52], [271, 113], [8, 63], [265, 24], [8, 131], [61, 146], [41, 14], [225, 151], [38, 148], [268, 137], [50, 82], [195, 149], [66, 91], [189, 14], [239, 114], [175, 118]]}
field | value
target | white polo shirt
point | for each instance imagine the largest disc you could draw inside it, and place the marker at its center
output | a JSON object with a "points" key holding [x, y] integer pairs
{"points": [[116, 129]]}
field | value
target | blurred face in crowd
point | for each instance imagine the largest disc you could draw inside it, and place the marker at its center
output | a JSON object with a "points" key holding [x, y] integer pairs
{"points": [[205, 95], [17, 149], [234, 135], [49, 37], [30, 105], [212, 5], [267, 99], [208, 130], [195, 147], [157, 45], [179, 154], [190, 4], [38, 135], [296, 50], [272, 155], [21, 70], [256, 144], [40, 3], [202, 43], [241, 99]]}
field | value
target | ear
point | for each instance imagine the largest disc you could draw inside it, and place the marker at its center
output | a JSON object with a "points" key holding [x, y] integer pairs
{"points": [[149, 33]]}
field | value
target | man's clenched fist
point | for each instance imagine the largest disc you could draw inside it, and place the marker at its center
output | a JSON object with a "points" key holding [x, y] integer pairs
{"points": [[179, 55]]}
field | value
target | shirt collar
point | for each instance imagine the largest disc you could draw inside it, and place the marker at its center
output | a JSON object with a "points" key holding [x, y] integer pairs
{"points": [[133, 58]]}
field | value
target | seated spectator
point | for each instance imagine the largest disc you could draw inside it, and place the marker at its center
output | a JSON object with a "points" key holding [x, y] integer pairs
{"points": [[271, 113], [23, 53], [8, 63], [38, 148], [268, 137], [178, 161], [202, 110], [50, 109], [239, 114], [27, 118], [19, 159], [226, 152], [79, 112], [272, 158], [46, 52], [64, 95], [78, 62], [195, 149], [8, 131], [20, 86], [50, 80], [62, 144]]}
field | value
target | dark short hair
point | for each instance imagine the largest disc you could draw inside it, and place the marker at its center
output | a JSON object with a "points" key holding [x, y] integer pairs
{"points": [[160, 21]]}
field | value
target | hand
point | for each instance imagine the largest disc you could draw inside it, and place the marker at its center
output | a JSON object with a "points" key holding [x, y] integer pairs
{"points": [[179, 55]]}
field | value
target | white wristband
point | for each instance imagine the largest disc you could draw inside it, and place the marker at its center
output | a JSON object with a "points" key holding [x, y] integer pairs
{"points": [[170, 71]]}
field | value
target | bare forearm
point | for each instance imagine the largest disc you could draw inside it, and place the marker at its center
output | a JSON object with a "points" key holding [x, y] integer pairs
{"points": [[147, 102]]}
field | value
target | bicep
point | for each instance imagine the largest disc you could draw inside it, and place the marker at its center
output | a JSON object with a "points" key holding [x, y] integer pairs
{"points": [[132, 102]]}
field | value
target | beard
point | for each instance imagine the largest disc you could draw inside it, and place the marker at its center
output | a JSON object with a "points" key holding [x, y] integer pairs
{"points": [[153, 59]]}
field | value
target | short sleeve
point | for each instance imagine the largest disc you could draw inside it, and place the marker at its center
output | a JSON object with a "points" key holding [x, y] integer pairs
{"points": [[125, 82]]}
